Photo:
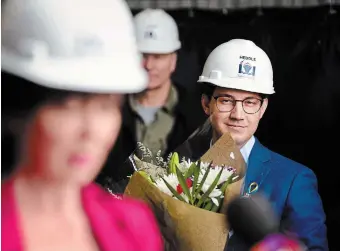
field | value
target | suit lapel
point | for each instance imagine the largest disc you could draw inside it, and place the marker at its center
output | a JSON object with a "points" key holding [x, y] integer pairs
{"points": [[257, 169]]}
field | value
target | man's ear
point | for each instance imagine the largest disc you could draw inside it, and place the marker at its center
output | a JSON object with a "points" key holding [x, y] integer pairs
{"points": [[263, 107], [173, 62], [205, 101]]}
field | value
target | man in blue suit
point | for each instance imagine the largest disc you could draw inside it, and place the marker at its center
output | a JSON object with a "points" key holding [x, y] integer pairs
{"points": [[236, 81]]}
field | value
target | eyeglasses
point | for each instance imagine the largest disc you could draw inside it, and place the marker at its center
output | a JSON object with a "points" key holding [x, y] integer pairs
{"points": [[227, 103]]}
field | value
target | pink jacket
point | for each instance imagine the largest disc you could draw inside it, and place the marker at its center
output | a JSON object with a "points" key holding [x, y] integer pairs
{"points": [[118, 225]]}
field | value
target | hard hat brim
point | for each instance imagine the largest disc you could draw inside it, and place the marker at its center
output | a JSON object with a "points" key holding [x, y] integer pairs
{"points": [[158, 47], [243, 84], [92, 75]]}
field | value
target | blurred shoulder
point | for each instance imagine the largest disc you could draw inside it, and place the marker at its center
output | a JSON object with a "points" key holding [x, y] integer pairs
{"points": [[7, 198], [133, 214]]}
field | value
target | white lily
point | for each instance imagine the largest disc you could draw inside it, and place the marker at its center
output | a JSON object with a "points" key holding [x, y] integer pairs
{"points": [[171, 179], [184, 165], [187, 162], [213, 172], [215, 201], [214, 193]]}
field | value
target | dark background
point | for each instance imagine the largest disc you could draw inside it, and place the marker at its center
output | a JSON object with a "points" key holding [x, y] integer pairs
{"points": [[302, 120]]}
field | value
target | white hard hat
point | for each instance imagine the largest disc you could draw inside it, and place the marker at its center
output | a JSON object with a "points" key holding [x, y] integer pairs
{"points": [[78, 45], [156, 32], [239, 64]]}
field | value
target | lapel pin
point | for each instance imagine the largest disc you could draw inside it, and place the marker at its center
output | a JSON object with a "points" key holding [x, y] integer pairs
{"points": [[253, 188]]}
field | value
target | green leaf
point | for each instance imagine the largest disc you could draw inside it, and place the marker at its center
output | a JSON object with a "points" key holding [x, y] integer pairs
{"points": [[190, 171], [183, 183], [174, 161], [215, 208], [220, 198], [152, 179], [209, 205], [226, 183], [203, 180], [196, 175], [174, 192], [212, 186]]}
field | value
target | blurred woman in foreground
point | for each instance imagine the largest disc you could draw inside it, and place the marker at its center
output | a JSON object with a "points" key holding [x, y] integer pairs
{"points": [[73, 55]]}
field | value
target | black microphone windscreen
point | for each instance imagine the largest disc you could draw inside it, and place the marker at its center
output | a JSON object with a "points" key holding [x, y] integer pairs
{"points": [[252, 218]]}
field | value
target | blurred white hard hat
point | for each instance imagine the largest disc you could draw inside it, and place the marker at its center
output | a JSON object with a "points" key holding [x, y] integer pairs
{"points": [[79, 45], [156, 32], [239, 64]]}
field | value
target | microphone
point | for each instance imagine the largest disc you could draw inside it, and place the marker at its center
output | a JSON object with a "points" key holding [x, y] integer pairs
{"points": [[254, 222]]}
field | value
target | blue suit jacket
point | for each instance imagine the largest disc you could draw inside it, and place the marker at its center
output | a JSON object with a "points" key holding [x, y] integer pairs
{"points": [[292, 190]]}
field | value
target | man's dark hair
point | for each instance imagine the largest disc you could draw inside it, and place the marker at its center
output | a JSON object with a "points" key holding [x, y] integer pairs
{"points": [[207, 89]]}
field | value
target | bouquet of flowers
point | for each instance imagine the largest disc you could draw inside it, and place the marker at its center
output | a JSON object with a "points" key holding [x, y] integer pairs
{"points": [[188, 196], [198, 183]]}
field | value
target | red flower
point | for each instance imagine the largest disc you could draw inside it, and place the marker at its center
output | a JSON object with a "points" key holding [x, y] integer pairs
{"points": [[188, 183]]}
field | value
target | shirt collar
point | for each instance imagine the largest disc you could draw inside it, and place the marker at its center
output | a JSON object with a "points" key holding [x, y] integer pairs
{"points": [[246, 149]]}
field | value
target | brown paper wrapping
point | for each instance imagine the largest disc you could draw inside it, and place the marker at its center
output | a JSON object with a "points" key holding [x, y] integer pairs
{"points": [[189, 228], [220, 154]]}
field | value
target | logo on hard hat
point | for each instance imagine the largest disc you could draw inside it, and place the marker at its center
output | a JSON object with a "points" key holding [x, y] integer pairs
{"points": [[248, 58], [246, 68], [150, 35], [150, 32]]}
